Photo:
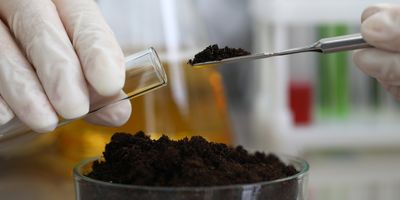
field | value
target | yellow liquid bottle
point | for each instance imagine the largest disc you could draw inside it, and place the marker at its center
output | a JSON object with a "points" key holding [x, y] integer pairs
{"points": [[193, 102]]}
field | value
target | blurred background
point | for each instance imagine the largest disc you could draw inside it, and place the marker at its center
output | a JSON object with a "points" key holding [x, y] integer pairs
{"points": [[319, 107]]}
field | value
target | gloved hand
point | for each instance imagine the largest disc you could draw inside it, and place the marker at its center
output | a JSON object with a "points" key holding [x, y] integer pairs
{"points": [[381, 28], [56, 57]]}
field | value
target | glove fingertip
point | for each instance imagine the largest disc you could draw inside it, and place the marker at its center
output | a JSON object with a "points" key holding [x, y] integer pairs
{"points": [[112, 116], [371, 10], [6, 117], [108, 87], [366, 60], [380, 28], [76, 111], [106, 76], [357, 57], [6, 114], [46, 126]]}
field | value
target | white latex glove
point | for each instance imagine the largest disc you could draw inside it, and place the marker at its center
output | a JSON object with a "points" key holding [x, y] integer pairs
{"points": [[52, 53], [381, 28]]}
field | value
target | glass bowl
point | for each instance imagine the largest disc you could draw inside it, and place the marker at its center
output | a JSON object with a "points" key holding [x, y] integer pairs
{"points": [[290, 188]]}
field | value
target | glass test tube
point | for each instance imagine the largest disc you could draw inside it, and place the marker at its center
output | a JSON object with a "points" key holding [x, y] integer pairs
{"points": [[302, 76], [144, 73], [333, 77]]}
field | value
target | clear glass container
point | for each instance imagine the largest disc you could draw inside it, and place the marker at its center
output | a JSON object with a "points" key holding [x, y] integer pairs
{"points": [[290, 188]]}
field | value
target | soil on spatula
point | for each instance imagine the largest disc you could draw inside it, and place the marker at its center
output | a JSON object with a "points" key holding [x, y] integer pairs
{"points": [[214, 53]]}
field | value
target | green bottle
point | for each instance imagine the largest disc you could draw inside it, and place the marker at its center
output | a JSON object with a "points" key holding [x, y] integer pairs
{"points": [[333, 100]]}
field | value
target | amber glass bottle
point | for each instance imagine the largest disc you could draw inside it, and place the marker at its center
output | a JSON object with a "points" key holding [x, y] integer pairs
{"points": [[193, 102]]}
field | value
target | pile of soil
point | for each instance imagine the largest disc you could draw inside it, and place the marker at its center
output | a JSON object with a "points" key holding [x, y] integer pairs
{"points": [[139, 160], [214, 53]]}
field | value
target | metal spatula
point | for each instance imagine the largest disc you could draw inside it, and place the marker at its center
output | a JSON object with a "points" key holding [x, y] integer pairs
{"points": [[325, 45]]}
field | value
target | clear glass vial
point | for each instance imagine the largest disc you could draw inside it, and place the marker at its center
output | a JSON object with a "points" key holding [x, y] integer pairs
{"points": [[144, 73]]}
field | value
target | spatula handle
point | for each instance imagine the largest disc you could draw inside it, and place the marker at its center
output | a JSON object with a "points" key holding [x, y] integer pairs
{"points": [[342, 43]]}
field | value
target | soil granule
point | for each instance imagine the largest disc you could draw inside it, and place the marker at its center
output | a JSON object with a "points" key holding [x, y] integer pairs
{"points": [[214, 53], [139, 160]]}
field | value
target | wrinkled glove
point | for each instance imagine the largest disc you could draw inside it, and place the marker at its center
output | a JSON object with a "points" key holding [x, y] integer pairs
{"points": [[381, 28], [56, 57]]}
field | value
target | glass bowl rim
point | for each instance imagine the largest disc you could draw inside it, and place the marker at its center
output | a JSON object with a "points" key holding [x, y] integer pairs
{"points": [[302, 173]]}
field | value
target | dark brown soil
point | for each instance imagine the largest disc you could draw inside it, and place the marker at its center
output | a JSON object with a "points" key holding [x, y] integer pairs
{"points": [[214, 53], [138, 160]]}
